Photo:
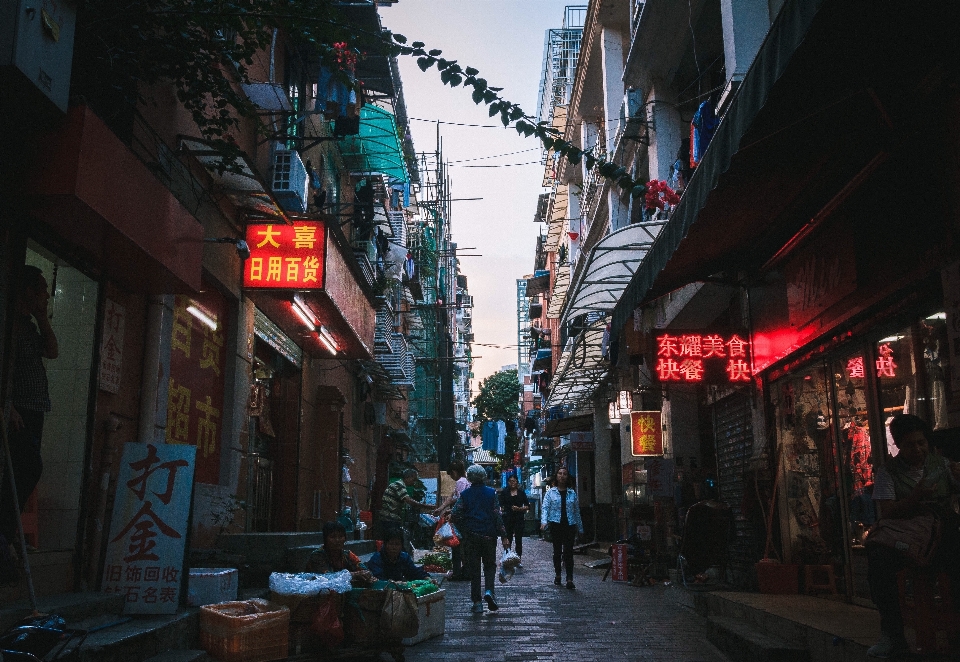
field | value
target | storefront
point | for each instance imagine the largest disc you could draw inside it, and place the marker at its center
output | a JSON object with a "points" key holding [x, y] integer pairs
{"points": [[829, 412]]}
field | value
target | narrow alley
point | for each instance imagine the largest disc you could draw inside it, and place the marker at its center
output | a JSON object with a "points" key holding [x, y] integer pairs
{"points": [[597, 622]]}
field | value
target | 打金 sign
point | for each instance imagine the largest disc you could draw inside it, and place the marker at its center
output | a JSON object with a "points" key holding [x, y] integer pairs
{"points": [[709, 358], [111, 347], [646, 433], [148, 532], [198, 364], [286, 257]]}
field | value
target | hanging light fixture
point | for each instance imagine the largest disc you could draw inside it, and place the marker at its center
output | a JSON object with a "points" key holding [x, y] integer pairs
{"points": [[327, 339], [303, 312]]}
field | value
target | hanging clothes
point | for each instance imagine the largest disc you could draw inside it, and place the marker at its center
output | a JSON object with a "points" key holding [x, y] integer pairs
{"points": [[488, 436], [701, 132], [501, 437]]}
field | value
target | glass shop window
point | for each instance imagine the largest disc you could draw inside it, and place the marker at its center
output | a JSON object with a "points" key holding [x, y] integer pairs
{"points": [[932, 334], [855, 449]]}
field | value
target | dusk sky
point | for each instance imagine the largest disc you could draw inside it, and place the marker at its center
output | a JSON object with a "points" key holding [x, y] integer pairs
{"points": [[504, 40]]}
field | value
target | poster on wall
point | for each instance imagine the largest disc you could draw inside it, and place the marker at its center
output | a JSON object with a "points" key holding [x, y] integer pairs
{"points": [[646, 433], [197, 368], [148, 531], [111, 347]]}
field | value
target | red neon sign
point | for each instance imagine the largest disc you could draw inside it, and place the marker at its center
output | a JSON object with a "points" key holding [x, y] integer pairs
{"points": [[886, 366], [646, 433], [684, 358], [286, 257]]}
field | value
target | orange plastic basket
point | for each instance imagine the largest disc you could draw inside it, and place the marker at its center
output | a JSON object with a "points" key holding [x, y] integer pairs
{"points": [[247, 631]]}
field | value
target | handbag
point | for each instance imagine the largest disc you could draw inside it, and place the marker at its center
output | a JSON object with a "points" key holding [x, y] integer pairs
{"points": [[916, 539]]}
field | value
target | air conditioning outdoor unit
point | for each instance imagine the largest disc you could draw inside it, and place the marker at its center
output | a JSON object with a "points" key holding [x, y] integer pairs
{"points": [[290, 180], [632, 115]]}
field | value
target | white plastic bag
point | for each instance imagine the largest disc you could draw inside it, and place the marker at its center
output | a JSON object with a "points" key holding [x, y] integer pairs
{"points": [[307, 584], [510, 559]]}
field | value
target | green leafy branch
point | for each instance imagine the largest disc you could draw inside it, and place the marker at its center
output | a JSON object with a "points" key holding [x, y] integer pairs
{"points": [[452, 74]]}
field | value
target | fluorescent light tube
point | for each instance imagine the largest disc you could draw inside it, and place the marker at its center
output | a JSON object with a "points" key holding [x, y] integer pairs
{"points": [[205, 318]]}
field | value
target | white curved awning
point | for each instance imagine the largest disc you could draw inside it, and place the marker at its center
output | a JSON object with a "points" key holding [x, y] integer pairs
{"points": [[610, 268], [559, 294], [580, 372]]}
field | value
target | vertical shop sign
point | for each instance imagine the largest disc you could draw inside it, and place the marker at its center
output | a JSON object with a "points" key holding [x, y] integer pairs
{"points": [[148, 532], [646, 433], [197, 368], [618, 563], [951, 301], [111, 347]]}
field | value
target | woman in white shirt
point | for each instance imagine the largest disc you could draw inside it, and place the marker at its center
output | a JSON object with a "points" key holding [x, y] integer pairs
{"points": [[561, 511]]}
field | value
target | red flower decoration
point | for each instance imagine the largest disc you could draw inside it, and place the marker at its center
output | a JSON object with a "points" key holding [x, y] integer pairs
{"points": [[659, 195]]}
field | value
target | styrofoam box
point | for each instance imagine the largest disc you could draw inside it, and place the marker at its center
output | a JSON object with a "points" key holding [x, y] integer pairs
{"points": [[432, 614], [211, 586]]}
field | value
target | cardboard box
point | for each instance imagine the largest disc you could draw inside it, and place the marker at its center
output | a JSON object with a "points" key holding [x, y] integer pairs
{"points": [[210, 586]]}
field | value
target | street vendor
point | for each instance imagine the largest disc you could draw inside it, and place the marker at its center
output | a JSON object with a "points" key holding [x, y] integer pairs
{"points": [[332, 557], [392, 563]]}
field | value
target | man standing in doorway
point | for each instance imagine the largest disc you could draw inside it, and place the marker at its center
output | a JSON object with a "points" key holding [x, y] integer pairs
{"points": [[29, 398]]}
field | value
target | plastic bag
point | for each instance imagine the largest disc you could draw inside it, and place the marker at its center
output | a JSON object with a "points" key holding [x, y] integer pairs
{"points": [[327, 624], [447, 535], [428, 520], [308, 584], [510, 559], [399, 618]]}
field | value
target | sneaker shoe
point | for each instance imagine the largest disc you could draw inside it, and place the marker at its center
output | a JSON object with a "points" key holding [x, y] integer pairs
{"points": [[477, 608], [491, 601], [502, 576], [570, 584], [556, 580], [888, 647]]}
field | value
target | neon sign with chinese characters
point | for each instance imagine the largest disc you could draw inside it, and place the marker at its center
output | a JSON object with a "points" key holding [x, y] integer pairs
{"points": [[646, 433], [703, 357], [287, 257], [886, 366]]}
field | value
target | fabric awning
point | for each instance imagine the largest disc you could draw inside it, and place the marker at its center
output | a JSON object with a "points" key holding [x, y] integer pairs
{"points": [[559, 218], [563, 426], [807, 120], [559, 295], [241, 184], [580, 371], [609, 268], [377, 149]]}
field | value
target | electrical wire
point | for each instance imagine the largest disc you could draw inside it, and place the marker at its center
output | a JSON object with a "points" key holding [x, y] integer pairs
{"points": [[503, 165], [481, 158], [481, 126]]}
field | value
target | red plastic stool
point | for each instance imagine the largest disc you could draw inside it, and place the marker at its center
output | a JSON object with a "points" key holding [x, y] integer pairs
{"points": [[31, 529], [927, 607]]}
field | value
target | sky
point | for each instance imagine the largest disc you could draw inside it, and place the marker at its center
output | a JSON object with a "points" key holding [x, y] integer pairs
{"points": [[504, 40]]}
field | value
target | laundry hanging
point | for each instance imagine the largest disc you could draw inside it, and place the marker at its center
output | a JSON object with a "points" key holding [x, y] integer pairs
{"points": [[702, 128]]}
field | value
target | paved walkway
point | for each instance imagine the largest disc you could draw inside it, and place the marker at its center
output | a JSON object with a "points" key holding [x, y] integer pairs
{"points": [[597, 622]]}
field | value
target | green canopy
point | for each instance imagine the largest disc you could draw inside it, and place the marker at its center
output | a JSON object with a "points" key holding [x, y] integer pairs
{"points": [[377, 149]]}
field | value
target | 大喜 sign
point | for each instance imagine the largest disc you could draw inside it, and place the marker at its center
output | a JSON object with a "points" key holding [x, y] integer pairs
{"points": [[286, 257], [148, 532]]}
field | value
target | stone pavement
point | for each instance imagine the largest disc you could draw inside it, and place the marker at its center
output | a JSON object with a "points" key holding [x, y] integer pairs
{"points": [[599, 621]]}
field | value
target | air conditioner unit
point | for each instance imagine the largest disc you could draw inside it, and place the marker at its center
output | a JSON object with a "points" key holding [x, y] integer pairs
{"points": [[632, 115], [290, 180]]}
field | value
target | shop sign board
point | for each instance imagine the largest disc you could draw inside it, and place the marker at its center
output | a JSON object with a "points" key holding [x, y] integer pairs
{"points": [[148, 531], [660, 476], [646, 433], [111, 347], [618, 563], [286, 257], [581, 442], [707, 358], [820, 275], [198, 364]]}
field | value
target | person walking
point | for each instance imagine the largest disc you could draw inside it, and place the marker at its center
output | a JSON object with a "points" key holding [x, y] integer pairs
{"points": [[477, 515], [561, 511], [514, 506], [458, 473]]}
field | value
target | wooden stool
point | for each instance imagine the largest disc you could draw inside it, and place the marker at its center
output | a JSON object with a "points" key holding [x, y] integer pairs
{"points": [[31, 529], [927, 607], [813, 573]]}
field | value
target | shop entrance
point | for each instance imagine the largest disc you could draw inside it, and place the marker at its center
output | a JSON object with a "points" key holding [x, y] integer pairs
{"points": [[66, 430]]}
